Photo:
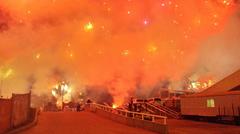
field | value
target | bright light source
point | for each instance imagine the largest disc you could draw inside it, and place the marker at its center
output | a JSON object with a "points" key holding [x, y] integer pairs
{"points": [[54, 93], [125, 52], [88, 27], [114, 106], [38, 56], [152, 49], [65, 87], [5, 72]]}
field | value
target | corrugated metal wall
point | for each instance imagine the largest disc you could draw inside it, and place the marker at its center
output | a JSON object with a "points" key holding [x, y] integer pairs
{"points": [[5, 114], [14, 112], [21, 107]]}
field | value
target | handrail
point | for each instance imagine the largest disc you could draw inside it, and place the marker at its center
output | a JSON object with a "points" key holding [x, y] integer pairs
{"points": [[170, 110], [161, 109], [126, 113], [166, 109], [170, 113]]}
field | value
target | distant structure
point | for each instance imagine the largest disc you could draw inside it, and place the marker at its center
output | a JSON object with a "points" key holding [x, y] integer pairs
{"points": [[221, 101]]}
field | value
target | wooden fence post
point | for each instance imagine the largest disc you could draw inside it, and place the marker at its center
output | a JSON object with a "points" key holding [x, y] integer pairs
{"points": [[233, 109], [12, 112]]}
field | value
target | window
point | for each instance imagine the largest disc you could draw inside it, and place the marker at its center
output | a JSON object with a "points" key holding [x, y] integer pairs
{"points": [[210, 103]]}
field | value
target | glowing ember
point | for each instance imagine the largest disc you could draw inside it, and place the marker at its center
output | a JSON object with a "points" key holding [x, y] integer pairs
{"points": [[88, 26], [114, 106], [38, 56]]}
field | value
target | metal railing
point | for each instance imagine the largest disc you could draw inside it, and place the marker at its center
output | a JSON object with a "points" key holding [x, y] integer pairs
{"points": [[134, 115], [166, 110], [161, 110]]}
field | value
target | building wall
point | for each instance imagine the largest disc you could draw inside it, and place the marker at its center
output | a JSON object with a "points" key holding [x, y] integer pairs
{"points": [[5, 114], [14, 112], [228, 105], [21, 107]]}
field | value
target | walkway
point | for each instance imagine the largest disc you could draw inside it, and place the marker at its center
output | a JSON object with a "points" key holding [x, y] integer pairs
{"points": [[80, 123]]}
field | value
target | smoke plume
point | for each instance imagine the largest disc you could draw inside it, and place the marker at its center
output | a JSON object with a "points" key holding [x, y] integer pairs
{"points": [[139, 50]]}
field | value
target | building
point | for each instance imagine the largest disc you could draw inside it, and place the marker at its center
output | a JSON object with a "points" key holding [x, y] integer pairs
{"points": [[222, 100]]}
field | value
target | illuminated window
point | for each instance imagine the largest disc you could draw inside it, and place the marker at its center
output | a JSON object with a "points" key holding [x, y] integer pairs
{"points": [[210, 103]]}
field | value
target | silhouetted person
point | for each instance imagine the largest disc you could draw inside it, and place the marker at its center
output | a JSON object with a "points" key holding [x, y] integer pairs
{"points": [[78, 107], [130, 105], [89, 101], [134, 107]]}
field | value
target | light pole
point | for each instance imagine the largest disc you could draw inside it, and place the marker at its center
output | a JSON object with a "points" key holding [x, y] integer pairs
{"points": [[62, 93], [1, 85]]}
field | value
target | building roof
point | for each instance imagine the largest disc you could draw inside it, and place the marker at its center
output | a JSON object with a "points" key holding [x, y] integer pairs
{"points": [[223, 87]]}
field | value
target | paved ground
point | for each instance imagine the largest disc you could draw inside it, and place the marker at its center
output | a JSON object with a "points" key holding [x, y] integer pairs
{"points": [[194, 127], [90, 123], [80, 123]]}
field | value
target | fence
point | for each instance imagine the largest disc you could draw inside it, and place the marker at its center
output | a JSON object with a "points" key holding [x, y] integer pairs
{"points": [[150, 122], [5, 114], [14, 112], [134, 115]]}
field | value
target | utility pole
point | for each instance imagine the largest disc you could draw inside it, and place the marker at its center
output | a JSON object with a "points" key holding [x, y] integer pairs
{"points": [[62, 92], [1, 86]]}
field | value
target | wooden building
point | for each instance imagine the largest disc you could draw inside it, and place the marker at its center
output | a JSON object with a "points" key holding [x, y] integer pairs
{"points": [[222, 100]]}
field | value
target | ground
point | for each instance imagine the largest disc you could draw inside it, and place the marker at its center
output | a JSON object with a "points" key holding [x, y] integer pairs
{"points": [[194, 127], [90, 123], [80, 123]]}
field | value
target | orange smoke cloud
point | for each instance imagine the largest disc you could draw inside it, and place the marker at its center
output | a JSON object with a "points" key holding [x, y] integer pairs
{"points": [[96, 43]]}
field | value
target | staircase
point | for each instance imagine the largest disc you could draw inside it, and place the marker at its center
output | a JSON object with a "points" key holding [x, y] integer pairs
{"points": [[160, 110]]}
